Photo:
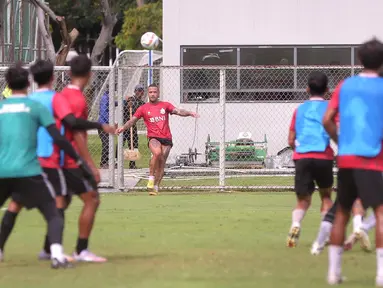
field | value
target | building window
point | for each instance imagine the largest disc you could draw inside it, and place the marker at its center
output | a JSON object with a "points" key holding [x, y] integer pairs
{"points": [[323, 56], [278, 77], [202, 84]]}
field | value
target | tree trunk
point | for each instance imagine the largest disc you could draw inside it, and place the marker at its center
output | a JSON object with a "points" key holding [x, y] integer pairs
{"points": [[47, 38], [67, 38], [140, 3], [105, 37]]}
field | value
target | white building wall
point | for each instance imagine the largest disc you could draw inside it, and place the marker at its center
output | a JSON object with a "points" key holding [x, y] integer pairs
{"points": [[255, 22]]}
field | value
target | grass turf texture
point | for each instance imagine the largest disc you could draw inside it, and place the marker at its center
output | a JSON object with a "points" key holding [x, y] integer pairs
{"points": [[207, 240]]}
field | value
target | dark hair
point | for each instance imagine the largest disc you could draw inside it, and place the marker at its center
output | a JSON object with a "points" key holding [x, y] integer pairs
{"points": [[42, 71], [153, 85], [370, 54], [80, 66], [317, 83], [17, 77]]}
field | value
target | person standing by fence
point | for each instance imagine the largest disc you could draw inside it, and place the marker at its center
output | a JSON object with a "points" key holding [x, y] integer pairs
{"points": [[131, 105]]}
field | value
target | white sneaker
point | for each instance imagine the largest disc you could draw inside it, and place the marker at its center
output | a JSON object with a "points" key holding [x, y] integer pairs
{"points": [[316, 249], [44, 256], [362, 236], [87, 256], [335, 279]]}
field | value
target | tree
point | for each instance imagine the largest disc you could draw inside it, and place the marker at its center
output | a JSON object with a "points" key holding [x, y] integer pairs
{"points": [[137, 21], [67, 38]]}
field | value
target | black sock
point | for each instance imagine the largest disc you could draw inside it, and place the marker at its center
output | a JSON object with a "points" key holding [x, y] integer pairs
{"points": [[47, 244], [82, 244], [7, 225]]}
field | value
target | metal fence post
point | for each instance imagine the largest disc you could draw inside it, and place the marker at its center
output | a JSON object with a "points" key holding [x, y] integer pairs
{"points": [[120, 148], [222, 104], [112, 148]]}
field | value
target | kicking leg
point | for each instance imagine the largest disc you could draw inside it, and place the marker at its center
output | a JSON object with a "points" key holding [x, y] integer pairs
{"points": [[165, 152], [7, 224]]}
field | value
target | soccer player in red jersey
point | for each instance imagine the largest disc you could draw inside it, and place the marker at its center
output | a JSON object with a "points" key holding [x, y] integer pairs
{"points": [[359, 102], [156, 117], [49, 154], [313, 155]]}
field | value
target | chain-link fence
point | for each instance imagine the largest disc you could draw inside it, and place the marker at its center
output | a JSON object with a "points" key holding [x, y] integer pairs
{"points": [[239, 141]]}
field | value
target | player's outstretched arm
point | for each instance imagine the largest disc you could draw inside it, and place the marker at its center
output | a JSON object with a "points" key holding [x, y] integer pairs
{"points": [[184, 113], [73, 123], [127, 125]]}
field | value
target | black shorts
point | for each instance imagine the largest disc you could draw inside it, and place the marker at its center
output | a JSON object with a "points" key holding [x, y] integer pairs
{"points": [[57, 179], [163, 141], [76, 182], [30, 192], [359, 183], [310, 171]]}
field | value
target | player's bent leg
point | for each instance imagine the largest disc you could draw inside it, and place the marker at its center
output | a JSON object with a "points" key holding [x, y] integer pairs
{"points": [[7, 224], [304, 188], [325, 194], [165, 151], [324, 231]]}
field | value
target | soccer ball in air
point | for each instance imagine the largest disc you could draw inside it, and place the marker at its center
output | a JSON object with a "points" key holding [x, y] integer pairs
{"points": [[150, 40]]}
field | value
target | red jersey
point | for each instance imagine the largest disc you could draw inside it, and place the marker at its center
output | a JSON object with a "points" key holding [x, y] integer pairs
{"points": [[350, 161], [156, 118], [328, 154], [76, 106]]}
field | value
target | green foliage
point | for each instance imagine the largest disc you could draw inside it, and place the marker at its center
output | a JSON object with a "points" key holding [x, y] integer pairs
{"points": [[137, 21]]}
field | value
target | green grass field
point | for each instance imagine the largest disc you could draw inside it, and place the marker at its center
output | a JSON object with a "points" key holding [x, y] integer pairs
{"points": [[202, 241]]}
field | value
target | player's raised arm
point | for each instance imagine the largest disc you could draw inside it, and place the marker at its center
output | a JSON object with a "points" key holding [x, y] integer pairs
{"points": [[328, 121]]}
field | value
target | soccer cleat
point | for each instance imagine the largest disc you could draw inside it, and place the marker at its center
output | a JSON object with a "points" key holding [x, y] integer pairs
{"points": [[153, 193], [335, 279], [1, 256], [362, 236], [292, 239], [150, 184], [46, 256], [87, 256], [316, 249], [350, 242], [57, 264]]}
